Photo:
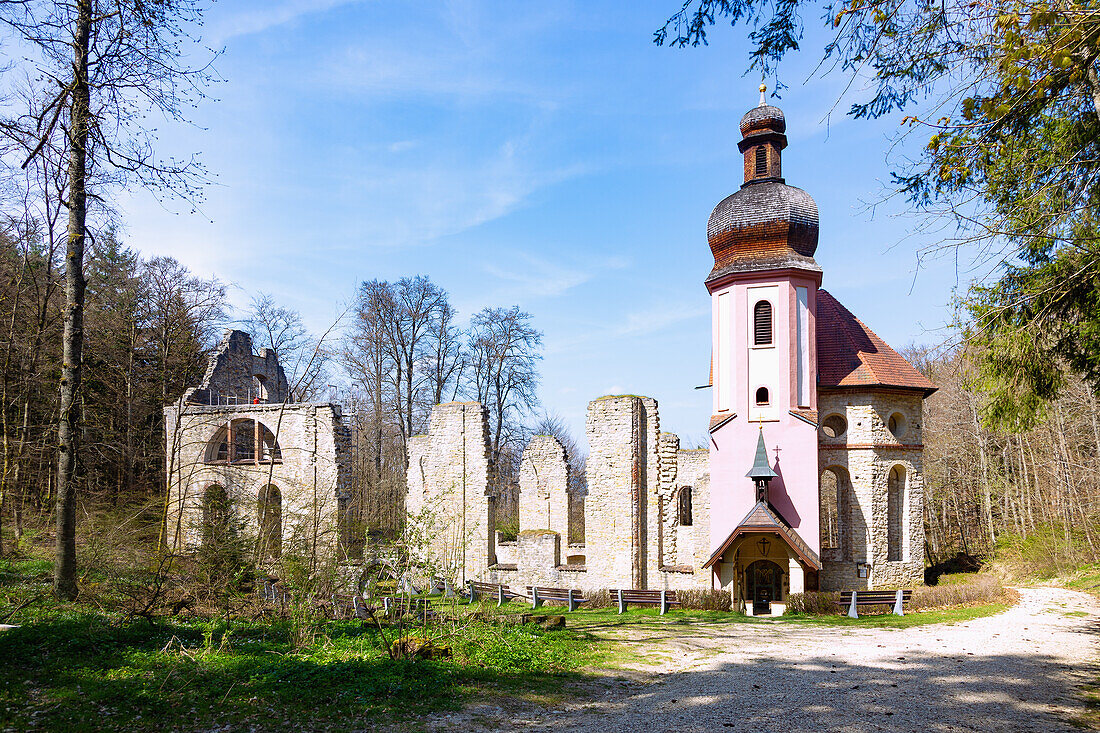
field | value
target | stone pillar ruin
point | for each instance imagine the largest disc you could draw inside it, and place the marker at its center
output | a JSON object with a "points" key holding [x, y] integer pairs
{"points": [[622, 510], [544, 486], [449, 497]]}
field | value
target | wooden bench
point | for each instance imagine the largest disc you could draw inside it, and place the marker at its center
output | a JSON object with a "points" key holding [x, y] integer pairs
{"points": [[572, 598], [853, 600], [502, 592], [663, 598], [347, 606]]}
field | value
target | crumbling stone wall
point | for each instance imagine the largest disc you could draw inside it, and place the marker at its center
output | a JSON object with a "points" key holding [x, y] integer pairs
{"points": [[234, 375], [449, 500], [622, 510], [544, 486], [868, 451], [313, 475], [309, 463]]}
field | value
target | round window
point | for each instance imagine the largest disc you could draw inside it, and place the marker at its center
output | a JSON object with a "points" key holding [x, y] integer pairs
{"points": [[834, 426], [896, 424]]}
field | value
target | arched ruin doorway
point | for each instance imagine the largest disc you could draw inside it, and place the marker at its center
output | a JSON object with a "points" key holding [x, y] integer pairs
{"points": [[270, 513]]}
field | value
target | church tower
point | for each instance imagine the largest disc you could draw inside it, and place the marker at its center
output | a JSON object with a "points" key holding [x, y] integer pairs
{"points": [[763, 290]]}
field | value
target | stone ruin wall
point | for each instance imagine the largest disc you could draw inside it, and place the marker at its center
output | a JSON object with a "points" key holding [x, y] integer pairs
{"points": [[313, 476], [544, 486], [448, 502], [867, 452], [631, 535]]}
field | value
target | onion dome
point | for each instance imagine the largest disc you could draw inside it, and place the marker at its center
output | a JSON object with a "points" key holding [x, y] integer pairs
{"points": [[767, 224]]}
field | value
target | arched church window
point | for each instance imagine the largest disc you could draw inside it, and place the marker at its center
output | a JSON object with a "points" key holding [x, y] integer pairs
{"points": [[762, 324], [895, 513], [835, 504], [762, 396], [685, 506], [243, 441], [761, 161]]}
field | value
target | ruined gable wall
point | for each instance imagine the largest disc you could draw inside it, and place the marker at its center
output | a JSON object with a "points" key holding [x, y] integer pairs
{"points": [[868, 451], [231, 372], [448, 490], [543, 487]]}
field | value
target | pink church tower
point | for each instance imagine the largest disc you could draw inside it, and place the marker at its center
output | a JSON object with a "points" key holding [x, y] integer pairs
{"points": [[763, 288]]}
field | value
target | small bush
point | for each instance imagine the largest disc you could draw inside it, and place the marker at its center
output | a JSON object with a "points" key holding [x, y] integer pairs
{"points": [[599, 599], [705, 600], [814, 603]]}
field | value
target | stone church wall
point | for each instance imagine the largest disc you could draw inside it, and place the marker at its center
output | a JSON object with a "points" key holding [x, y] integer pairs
{"points": [[544, 486], [449, 500], [867, 452]]}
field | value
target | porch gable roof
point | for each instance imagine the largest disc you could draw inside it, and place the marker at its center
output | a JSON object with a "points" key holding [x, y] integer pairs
{"points": [[762, 518]]}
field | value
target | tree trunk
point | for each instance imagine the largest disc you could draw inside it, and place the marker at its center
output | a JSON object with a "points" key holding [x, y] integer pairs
{"points": [[64, 580]]}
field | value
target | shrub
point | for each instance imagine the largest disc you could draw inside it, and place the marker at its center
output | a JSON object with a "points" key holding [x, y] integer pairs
{"points": [[975, 589], [814, 603], [705, 600]]}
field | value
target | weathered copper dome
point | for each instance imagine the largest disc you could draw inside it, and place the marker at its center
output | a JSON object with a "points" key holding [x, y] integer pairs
{"points": [[767, 224]]}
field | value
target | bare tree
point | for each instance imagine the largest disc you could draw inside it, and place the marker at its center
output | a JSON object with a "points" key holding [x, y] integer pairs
{"points": [[105, 62], [415, 305], [281, 329], [503, 361], [447, 357]]}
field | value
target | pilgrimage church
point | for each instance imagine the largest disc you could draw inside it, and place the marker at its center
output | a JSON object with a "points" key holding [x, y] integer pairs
{"points": [[812, 478]]}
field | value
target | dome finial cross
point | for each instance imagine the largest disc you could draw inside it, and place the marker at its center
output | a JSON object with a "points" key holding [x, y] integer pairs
{"points": [[763, 88]]}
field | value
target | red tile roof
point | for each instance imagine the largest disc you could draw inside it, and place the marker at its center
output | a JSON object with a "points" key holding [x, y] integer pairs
{"points": [[850, 355]]}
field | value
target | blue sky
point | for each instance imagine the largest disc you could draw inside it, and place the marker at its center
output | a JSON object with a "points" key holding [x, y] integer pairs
{"points": [[541, 154]]}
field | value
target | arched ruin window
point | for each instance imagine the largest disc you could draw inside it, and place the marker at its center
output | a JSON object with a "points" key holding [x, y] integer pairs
{"points": [[215, 515], [685, 506], [270, 511], [835, 507], [237, 442], [895, 513], [762, 396], [896, 425], [762, 324], [259, 388], [834, 426]]}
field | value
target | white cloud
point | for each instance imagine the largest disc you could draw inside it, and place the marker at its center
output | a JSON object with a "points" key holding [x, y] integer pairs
{"points": [[268, 15]]}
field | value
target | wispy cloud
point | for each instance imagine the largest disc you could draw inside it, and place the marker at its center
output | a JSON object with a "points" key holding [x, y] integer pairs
{"points": [[222, 28], [538, 277]]}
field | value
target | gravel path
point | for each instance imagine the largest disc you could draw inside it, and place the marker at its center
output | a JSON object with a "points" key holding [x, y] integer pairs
{"points": [[1017, 671]]}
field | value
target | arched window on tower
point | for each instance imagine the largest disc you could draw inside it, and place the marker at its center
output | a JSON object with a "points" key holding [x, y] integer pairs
{"points": [[685, 506], [836, 508], [762, 396], [761, 161], [895, 514], [762, 324]]}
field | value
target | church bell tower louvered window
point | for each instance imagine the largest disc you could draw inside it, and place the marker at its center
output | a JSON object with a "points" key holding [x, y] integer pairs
{"points": [[762, 324], [761, 161]]}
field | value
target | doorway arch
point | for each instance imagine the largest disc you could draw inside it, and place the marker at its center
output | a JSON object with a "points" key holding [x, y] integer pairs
{"points": [[764, 585]]}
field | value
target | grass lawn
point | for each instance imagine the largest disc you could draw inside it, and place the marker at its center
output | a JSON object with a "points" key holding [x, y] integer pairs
{"points": [[72, 667], [82, 667]]}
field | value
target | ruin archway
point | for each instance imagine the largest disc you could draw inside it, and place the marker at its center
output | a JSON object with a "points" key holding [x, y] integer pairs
{"points": [[835, 496], [215, 515], [270, 513], [243, 441], [895, 514]]}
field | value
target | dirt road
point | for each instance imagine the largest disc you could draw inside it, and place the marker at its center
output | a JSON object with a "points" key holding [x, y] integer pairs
{"points": [[1017, 671]]}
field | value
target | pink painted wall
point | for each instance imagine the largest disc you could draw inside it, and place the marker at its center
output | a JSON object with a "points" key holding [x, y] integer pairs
{"points": [[795, 492]]}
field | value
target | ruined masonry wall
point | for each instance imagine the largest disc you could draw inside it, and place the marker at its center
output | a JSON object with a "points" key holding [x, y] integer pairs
{"points": [[543, 486], [312, 478], [448, 500], [233, 372]]}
